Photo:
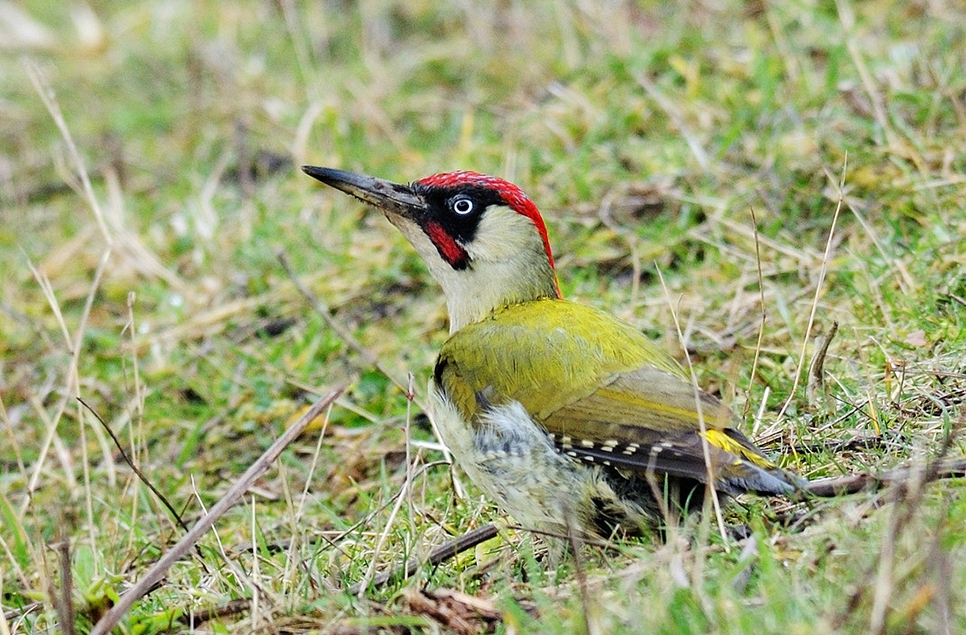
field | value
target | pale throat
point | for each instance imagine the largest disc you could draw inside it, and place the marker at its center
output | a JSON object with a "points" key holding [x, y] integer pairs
{"points": [[473, 294]]}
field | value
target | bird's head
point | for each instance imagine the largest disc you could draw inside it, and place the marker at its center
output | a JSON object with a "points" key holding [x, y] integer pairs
{"points": [[482, 238]]}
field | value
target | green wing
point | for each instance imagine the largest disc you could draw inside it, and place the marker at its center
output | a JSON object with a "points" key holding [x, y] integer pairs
{"points": [[604, 392], [550, 354]]}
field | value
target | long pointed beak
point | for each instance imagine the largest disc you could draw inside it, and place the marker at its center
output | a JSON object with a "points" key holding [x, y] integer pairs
{"points": [[385, 195]]}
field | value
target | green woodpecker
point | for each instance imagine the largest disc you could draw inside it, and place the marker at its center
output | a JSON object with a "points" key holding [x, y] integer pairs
{"points": [[568, 417]]}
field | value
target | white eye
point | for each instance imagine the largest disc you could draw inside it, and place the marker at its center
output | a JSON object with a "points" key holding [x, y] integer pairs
{"points": [[462, 206]]}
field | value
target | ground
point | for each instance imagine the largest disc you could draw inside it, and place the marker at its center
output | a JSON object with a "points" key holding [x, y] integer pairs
{"points": [[747, 182]]}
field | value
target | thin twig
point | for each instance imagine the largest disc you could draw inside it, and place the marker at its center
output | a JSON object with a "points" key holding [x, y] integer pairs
{"points": [[65, 600], [156, 572], [437, 556], [134, 468], [196, 617], [764, 317], [816, 370], [853, 483]]}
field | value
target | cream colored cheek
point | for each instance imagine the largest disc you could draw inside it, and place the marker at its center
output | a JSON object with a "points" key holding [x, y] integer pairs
{"points": [[502, 234]]}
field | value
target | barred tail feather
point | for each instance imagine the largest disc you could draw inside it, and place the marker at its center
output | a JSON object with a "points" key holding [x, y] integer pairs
{"points": [[752, 472]]}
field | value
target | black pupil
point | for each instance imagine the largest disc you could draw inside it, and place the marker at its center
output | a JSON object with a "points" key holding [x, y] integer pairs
{"points": [[463, 206]]}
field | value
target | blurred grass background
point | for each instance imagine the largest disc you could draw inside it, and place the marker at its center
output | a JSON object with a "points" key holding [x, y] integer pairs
{"points": [[655, 137]]}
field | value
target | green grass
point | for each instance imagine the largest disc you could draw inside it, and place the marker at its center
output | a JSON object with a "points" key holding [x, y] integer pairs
{"points": [[654, 138]]}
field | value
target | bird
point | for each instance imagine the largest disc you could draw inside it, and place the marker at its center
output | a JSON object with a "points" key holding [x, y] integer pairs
{"points": [[573, 421]]}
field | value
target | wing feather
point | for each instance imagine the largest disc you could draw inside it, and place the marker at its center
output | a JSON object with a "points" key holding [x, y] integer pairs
{"points": [[604, 392]]}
